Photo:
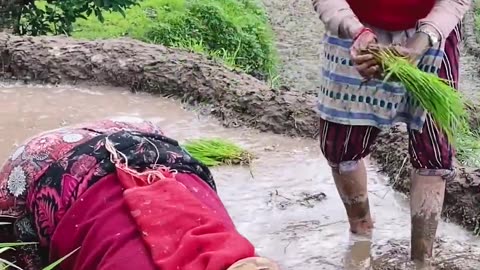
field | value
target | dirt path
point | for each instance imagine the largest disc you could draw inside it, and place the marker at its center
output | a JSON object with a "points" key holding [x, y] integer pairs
{"points": [[299, 35]]}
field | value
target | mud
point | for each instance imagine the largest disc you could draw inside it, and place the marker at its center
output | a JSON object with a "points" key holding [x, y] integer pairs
{"points": [[285, 202], [234, 97], [397, 257]]}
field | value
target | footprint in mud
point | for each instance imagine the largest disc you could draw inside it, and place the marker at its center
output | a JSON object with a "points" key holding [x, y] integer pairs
{"points": [[306, 199]]}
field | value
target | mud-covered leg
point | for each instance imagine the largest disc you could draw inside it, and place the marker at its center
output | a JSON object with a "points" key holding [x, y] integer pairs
{"points": [[351, 182], [345, 147], [426, 201]]}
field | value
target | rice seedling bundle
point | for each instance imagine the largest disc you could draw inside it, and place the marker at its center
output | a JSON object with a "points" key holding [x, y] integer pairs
{"points": [[214, 152], [444, 103]]}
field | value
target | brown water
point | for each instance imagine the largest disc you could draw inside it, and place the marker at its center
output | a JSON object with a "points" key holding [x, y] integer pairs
{"points": [[267, 200]]}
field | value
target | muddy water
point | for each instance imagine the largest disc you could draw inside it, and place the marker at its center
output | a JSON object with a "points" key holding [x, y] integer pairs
{"points": [[268, 201]]}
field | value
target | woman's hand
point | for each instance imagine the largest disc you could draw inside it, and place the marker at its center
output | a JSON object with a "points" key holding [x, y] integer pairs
{"points": [[415, 47], [364, 62]]}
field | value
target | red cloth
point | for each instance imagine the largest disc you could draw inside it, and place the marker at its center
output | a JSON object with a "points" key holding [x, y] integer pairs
{"points": [[183, 223], [391, 15]]}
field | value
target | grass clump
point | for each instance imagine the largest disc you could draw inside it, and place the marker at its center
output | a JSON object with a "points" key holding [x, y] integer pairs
{"points": [[445, 104], [468, 149], [234, 31], [214, 152]]}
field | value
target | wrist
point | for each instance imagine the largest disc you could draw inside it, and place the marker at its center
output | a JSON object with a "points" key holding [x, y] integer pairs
{"points": [[351, 26], [431, 32], [419, 42], [361, 31]]}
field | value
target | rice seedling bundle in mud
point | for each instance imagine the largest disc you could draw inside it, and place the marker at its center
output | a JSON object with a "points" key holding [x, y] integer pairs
{"points": [[446, 105], [214, 152]]}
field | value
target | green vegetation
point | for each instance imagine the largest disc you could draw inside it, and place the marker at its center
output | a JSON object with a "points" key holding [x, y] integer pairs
{"points": [[234, 31], [54, 16], [468, 149], [214, 152], [446, 105]]}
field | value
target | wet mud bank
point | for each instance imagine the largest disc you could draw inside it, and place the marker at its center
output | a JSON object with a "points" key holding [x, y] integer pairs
{"points": [[235, 98], [394, 256]]}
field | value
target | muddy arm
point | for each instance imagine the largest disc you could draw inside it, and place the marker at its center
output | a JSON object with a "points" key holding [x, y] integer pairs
{"points": [[445, 15], [338, 17]]}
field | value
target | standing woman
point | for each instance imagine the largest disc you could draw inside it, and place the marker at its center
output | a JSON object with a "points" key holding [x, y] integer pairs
{"points": [[352, 112]]}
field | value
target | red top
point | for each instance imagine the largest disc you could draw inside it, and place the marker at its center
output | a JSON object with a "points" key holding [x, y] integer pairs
{"points": [[171, 224], [391, 15]]}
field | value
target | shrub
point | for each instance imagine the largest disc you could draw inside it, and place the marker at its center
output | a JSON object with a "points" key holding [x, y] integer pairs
{"points": [[235, 31], [30, 17]]}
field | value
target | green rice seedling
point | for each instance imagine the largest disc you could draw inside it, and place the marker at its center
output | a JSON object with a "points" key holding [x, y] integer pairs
{"points": [[445, 104], [214, 152], [59, 261]]}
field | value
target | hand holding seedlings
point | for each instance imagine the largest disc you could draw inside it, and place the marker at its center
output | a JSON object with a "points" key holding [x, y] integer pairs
{"points": [[364, 61], [414, 49], [445, 105]]}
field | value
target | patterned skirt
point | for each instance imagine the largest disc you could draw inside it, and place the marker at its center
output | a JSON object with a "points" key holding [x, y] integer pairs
{"points": [[345, 99]]}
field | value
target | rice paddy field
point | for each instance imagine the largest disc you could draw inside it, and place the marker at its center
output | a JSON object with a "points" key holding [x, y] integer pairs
{"points": [[282, 45]]}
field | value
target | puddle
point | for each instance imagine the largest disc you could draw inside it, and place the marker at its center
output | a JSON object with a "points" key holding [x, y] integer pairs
{"points": [[278, 203]]}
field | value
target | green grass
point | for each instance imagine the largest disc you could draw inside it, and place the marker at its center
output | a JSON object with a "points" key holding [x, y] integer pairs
{"points": [[236, 32], [214, 152], [468, 149]]}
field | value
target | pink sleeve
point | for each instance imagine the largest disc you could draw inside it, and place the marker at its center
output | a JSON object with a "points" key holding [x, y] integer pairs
{"points": [[445, 15], [338, 17]]}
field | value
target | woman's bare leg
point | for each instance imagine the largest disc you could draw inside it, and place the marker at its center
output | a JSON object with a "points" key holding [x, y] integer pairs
{"points": [[352, 188], [426, 201]]}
